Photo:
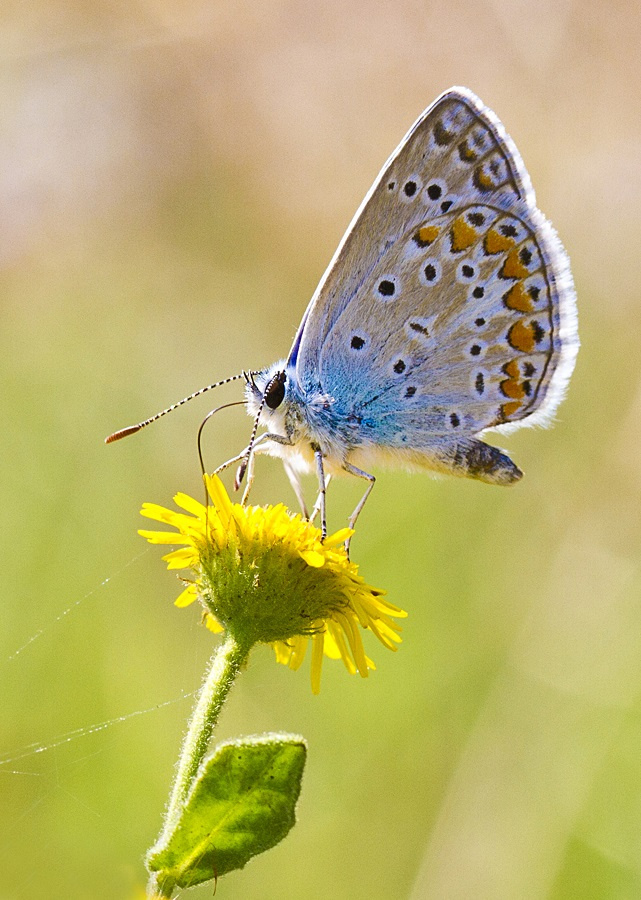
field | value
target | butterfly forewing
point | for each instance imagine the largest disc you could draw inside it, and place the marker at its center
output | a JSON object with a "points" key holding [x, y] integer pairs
{"points": [[443, 306]]}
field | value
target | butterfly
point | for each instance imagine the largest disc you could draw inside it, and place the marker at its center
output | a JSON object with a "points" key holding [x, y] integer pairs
{"points": [[447, 311]]}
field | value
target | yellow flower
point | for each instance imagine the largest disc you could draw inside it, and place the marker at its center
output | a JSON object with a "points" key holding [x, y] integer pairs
{"points": [[263, 575]]}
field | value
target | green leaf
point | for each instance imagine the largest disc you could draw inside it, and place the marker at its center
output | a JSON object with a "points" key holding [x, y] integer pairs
{"points": [[242, 803]]}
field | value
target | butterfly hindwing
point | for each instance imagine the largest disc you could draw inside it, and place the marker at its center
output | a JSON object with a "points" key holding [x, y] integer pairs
{"points": [[463, 322]]}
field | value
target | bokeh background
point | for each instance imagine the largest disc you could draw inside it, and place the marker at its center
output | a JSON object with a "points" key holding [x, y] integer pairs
{"points": [[174, 178]]}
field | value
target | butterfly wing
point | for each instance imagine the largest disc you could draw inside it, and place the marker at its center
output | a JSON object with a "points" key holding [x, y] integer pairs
{"points": [[449, 305]]}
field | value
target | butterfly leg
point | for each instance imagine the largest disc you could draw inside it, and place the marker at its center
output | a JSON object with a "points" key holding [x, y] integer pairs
{"points": [[250, 478], [247, 465], [277, 438], [228, 463], [235, 459], [294, 480], [320, 471], [317, 505], [348, 467]]}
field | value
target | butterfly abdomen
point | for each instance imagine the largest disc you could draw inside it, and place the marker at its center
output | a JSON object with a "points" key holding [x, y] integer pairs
{"points": [[476, 459]]}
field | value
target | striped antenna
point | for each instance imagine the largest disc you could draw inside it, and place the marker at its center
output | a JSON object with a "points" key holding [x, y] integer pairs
{"points": [[132, 429], [272, 397], [242, 468]]}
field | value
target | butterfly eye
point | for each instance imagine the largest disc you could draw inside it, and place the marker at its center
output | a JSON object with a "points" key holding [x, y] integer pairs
{"points": [[275, 390]]}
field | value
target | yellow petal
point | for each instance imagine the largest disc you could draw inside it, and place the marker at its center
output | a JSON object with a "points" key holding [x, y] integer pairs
{"points": [[164, 537], [330, 647], [184, 501], [312, 558], [390, 628], [181, 559], [355, 643], [160, 513], [385, 639], [339, 537], [317, 661], [299, 649], [343, 651], [387, 607], [219, 497], [283, 652], [361, 613], [187, 597], [213, 624]]}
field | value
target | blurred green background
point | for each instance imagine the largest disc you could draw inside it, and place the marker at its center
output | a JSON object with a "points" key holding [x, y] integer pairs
{"points": [[174, 178]]}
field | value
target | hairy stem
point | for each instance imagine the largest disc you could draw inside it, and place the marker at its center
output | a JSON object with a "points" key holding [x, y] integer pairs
{"points": [[225, 665]]}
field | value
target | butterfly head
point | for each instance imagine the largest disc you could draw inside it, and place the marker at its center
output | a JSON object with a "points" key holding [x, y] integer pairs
{"points": [[266, 391]]}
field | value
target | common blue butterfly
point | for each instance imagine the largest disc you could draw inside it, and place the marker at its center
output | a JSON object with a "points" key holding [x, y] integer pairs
{"points": [[448, 310]]}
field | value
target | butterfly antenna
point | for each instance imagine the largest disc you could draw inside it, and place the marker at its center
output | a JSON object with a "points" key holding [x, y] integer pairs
{"points": [[132, 429], [204, 422], [242, 468], [273, 395]]}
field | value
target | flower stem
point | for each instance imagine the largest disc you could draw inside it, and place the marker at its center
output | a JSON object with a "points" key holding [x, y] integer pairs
{"points": [[224, 667]]}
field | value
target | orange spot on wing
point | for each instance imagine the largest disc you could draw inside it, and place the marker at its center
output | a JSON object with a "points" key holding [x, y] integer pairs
{"points": [[513, 267], [497, 243], [508, 409], [427, 234], [512, 389], [521, 337], [462, 235], [483, 180], [518, 299], [512, 369], [466, 152]]}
